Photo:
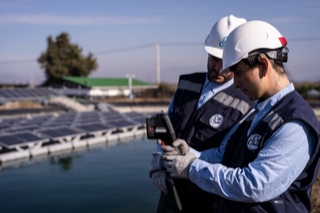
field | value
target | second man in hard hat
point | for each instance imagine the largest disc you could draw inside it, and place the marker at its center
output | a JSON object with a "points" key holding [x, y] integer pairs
{"points": [[204, 108]]}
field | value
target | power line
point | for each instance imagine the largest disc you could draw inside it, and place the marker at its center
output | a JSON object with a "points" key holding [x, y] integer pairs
{"points": [[152, 45], [304, 39], [182, 44], [18, 62], [96, 53], [124, 49]]}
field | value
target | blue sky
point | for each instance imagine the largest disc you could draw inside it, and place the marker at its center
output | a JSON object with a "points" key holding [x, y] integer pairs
{"points": [[102, 25]]}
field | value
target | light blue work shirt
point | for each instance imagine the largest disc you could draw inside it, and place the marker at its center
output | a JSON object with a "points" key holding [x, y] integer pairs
{"points": [[281, 160], [209, 90]]}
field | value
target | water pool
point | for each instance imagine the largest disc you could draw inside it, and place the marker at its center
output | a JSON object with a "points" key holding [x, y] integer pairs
{"points": [[106, 178]]}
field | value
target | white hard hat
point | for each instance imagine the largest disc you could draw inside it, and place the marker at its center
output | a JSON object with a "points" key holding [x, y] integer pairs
{"points": [[215, 41], [250, 36]]}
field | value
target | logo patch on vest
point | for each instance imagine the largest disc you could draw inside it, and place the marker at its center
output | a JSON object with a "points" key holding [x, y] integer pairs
{"points": [[216, 121], [254, 141]]}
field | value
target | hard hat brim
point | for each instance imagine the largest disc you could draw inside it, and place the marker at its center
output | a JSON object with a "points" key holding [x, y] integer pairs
{"points": [[225, 71], [214, 51], [227, 68]]}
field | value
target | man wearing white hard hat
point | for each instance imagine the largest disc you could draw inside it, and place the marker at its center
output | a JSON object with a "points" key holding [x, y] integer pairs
{"points": [[269, 160], [203, 110]]}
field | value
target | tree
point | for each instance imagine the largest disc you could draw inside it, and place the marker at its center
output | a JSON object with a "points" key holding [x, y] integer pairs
{"points": [[63, 58]]}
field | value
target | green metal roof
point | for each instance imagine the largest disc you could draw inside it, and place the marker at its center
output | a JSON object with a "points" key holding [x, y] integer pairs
{"points": [[104, 82]]}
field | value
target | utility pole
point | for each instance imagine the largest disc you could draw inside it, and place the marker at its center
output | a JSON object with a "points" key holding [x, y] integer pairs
{"points": [[158, 62], [130, 84], [32, 77]]}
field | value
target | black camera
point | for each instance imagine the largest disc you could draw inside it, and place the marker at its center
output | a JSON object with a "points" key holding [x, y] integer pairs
{"points": [[159, 127]]}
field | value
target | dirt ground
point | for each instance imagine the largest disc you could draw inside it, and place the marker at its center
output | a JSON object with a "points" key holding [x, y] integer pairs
{"points": [[21, 105], [315, 196], [315, 193]]}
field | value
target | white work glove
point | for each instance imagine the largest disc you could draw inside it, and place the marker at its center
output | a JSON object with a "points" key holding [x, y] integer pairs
{"points": [[159, 180], [179, 165], [179, 147], [156, 163]]}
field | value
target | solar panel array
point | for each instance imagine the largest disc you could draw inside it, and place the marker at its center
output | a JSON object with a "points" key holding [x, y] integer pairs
{"points": [[18, 94], [25, 131]]}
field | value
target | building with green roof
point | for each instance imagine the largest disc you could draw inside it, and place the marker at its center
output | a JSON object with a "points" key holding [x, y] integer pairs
{"points": [[106, 87]]}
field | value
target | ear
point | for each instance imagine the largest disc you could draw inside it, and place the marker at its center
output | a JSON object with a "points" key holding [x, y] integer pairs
{"points": [[263, 66]]}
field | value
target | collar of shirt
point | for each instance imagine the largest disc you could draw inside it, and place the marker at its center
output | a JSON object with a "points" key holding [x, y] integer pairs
{"points": [[265, 106]]}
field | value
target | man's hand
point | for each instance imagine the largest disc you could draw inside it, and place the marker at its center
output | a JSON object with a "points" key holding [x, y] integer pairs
{"points": [[179, 165], [159, 180], [156, 163], [179, 147]]}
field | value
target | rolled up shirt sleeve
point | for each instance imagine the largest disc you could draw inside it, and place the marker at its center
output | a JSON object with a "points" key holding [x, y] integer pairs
{"points": [[278, 164]]}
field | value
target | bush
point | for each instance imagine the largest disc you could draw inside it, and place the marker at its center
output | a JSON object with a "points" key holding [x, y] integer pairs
{"points": [[302, 88], [164, 90]]}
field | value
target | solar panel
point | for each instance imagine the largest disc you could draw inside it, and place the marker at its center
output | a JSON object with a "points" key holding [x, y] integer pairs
{"points": [[141, 120], [42, 92], [51, 133], [88, 113], [69, 131], [122, 123], [28, 128], [95, 127], [28, 137], [13, 120], [62, 122], [29, 123], [8, 141], [85, 114], [25, 94], [118, 117], [33, 93], [42, 118], [133, 114], [12, 140], [66, 117], [4, 127], [43, 128], [57, 125], [60, 132], [88, 120], [14, 93], [110, 113]]}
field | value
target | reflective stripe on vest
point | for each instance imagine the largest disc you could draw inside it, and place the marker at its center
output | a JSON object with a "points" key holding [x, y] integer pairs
{"points": [[273, 120], [188, 85], [230, 101]]}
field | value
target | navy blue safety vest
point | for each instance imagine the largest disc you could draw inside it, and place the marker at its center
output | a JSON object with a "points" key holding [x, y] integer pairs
{"points": [[203, 128], [206, 127], [242, 149]]}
